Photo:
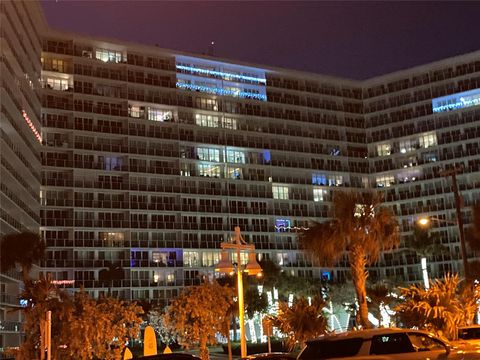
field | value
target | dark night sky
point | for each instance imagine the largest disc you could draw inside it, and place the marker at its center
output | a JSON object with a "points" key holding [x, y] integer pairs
{"points": [[349, 39]]}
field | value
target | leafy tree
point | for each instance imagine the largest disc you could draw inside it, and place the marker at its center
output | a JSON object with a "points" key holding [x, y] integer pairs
{"points": [[198, 313], [301, 321], [156, 318], [82, 328], [379, 298], [440, 309], [24, 249], [255, 302], [425, 243], [360, 226]]}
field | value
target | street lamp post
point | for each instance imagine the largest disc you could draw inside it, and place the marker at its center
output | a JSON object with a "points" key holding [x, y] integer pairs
{"points": [[424, 221], [458, 207], [252, 268]]}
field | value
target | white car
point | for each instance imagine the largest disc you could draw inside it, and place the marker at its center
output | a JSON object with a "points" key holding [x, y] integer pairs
{"points": [[383, 344], [468, 338]]}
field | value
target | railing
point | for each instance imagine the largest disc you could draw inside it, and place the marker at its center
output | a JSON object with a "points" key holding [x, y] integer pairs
{"points": [[10, 326]]}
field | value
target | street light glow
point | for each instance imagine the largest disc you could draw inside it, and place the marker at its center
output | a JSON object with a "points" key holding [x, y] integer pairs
{"points": [[424, 221]]}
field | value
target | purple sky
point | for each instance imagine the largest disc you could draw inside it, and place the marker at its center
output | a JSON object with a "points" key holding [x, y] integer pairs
{"points": [[349, 39]]}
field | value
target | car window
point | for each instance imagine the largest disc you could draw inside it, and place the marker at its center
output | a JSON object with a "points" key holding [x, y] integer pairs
{"points": [[331, 349], [469, 334], [423, 342], [391, 344]]}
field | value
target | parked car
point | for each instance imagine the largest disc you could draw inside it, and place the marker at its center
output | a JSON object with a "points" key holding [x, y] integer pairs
{"points": [[383, 344], [172, 356], [270, 356], [468, 338]]}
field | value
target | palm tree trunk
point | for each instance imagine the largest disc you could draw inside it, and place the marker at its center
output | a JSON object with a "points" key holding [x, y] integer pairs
{"points": [[359, 278]]}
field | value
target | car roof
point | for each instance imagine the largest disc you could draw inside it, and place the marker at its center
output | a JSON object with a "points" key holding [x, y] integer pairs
{"points": [[469, 327], [364, 334], [169, 356]]}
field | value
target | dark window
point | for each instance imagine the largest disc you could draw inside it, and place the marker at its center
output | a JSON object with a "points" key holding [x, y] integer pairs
{"points": [[391, 344], [469, 334], [330, 349]]}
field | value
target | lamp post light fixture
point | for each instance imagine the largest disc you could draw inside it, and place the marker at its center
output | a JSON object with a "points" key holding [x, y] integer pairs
{"points": [[425, 221], [252, 268]]}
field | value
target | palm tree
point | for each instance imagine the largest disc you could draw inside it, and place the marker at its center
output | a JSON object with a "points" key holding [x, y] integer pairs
{"points": [[360, 226], [301, 321], [25, 249], [425, 244]]}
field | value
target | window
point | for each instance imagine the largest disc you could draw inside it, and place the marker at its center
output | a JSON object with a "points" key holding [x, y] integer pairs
{"points": [[234, 172], [319, 179], [318, 194], [407, 145], [282, 225], [385, 181], [208, 154], [112, 238], [235, 156], [384, 149], [230, 123], [391, 344], [331, 349], [335, 180], [159, 257], [209, 170], [422, 342], [58, 65], [56, 84], [136, 111], [159, 115], [191, 259], [427, 140], [108, 55], [206, 120], [280, 192]]}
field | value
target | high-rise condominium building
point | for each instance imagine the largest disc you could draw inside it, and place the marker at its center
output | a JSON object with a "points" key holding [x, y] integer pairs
{"points": [[152, 157], [21, 23]]}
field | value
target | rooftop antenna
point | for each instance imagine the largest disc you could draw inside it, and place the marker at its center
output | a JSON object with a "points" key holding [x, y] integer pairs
{"points": [[211, 48]]}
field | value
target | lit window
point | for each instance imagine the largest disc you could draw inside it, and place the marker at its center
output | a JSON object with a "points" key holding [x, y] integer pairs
{"points": [[159, 115], [280, 192], [319, 179], [385, 181], [230, 123], [191, 259], [112, 238], [135, 111], [234, 173], [235, 156], [206, 120], [384, 149], [56, 84], [209, 170], [427, 140], [318, 194], [208, 154], [282, 225], [407, 145], [159, 257], [108, 55], [335, 180]]}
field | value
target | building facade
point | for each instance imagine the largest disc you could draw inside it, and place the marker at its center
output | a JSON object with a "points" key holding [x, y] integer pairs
{"points": [[152, 157], [20, 142]]}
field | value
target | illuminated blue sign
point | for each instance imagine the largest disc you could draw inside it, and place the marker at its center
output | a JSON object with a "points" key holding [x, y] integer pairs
{"points": [[456, 101], [220, 91], [224, 75]]}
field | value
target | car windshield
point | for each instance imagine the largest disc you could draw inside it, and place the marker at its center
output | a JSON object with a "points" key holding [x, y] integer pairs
{"points": [[331, 349], [469, 334]]}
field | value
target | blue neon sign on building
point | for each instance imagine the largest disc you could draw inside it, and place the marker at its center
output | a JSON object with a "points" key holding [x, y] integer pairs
{"points": [[456, 101]]}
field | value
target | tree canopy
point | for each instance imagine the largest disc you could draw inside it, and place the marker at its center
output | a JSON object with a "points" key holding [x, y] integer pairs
{"points": [[198, 313], [25, 249], [361, 227]]}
